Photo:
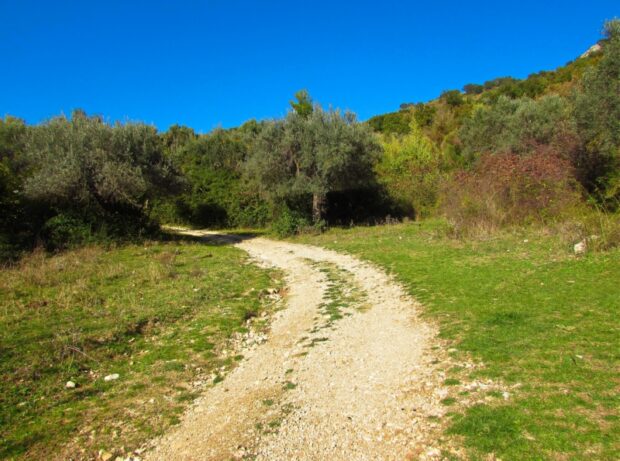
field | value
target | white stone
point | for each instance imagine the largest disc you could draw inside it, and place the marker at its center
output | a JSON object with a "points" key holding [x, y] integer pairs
{"points": [[580, 248]]}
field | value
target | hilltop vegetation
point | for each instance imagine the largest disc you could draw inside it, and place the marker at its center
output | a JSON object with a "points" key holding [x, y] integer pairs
{"points": [[506, 152]]}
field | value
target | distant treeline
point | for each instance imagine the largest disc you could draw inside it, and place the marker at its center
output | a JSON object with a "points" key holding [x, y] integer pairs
{"points": [[504, 152]]}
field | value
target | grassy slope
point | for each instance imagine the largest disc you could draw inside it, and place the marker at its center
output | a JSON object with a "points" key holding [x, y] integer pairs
{"points": [[157, 315], [535, 315]]}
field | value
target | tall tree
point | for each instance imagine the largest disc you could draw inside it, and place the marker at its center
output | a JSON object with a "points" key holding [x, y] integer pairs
{"points": [[302, 104], [89, 166], [598, 117], [312, 154]]}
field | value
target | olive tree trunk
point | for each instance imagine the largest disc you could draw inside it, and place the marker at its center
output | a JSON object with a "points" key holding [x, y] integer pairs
{"points": [[318, 207]]}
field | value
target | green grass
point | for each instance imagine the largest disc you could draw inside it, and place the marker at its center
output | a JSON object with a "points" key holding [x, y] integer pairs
{"points": [[534, 314], [158, 314], [341, 296]]}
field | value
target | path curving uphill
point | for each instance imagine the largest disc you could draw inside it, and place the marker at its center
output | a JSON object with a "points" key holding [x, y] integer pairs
{"points": [[346, 373]]}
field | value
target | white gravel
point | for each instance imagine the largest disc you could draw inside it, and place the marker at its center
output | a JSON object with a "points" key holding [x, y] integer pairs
{"points": [[364, 393]]}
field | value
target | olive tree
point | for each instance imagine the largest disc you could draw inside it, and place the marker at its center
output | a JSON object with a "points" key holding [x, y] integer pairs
{"points": [[312, 154], [89, 166]]}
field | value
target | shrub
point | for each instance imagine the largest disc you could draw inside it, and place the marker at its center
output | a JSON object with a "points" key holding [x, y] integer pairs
{"points": [[510, 189], [391, 123], [411, 170], [597, 109], [473, 88], [518, 126], [453, 98], [64, 231], [289, 223], [423, 114]]}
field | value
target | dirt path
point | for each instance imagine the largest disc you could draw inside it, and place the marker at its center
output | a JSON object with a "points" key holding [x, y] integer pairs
{"points": [[346, 373]]}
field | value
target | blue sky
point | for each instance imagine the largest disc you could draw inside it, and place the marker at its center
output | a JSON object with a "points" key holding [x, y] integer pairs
{"points": [[219, 63]]}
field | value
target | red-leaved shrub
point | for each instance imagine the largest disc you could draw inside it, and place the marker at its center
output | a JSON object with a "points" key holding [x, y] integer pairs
{"points": [[510, 189]]}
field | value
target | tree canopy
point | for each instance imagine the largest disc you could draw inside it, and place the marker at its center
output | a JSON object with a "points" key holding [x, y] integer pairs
{"points": [[312, 155]]}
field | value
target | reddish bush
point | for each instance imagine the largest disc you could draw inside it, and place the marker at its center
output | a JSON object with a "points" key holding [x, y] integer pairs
{"points": [[507, 189]]}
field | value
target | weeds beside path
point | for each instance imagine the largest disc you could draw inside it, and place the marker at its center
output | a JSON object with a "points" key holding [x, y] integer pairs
{"points": [[352, 368], [158, 316], [348, 373], [540, 319]]}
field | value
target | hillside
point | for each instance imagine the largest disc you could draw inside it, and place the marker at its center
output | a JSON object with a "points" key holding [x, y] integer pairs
{"points": [[561, 81]]}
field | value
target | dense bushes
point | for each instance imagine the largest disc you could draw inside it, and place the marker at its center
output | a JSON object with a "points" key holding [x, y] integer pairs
{"points": [[94, 168], [214, 193], [411, 169], [505, 152], [71, 180], [511, 189], [516, 125]]}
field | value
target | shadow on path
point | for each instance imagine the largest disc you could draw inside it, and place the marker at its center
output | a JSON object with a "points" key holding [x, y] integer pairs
{"points": [[207, 236]]}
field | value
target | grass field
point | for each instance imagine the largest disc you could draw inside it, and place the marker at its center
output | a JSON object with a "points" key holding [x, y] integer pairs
{"points": [[534, 314], [158, 315]]}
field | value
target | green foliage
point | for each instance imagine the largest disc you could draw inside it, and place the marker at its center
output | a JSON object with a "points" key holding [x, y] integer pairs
{"points": [[532, 313], [14, 221], [215, 194], [453, 98], [177, 137], [289, 222], [424, 114], [65, 231], [302, 104], [598, 119], [392, 123], [516, 125], [311, 156], [473, 88], [411, 169], [97, 173]]}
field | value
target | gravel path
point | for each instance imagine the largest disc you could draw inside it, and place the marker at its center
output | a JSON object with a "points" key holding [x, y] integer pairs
{"points": [[360, 385]]}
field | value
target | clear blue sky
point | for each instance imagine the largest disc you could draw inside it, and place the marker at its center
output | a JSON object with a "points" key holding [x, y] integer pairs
{"points": [[221, 62]]}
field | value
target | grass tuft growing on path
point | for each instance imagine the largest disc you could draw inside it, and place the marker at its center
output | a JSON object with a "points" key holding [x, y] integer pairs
{"points": [[537, 317], [342, 296]]}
